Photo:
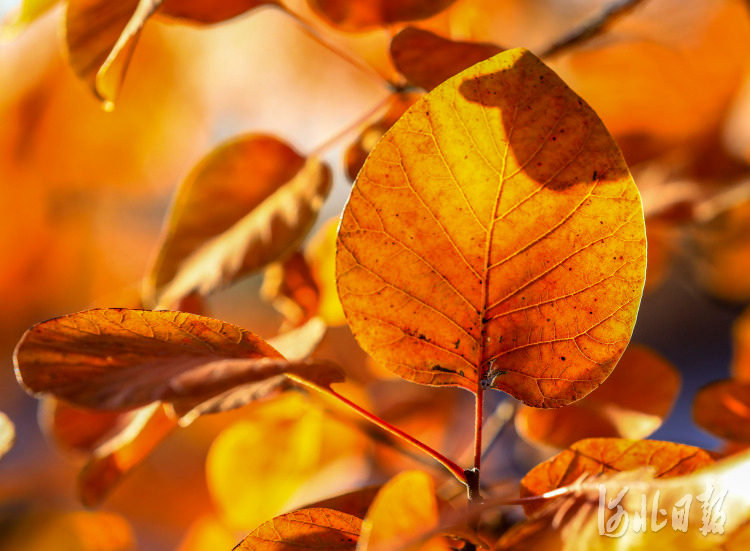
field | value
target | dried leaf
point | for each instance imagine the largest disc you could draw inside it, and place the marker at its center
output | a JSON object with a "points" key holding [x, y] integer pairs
{"points": [[7, 434], [426, 59], [100, 37], [203, 11], [266, 199], [316, 528], [357, 152], [610, 455], [631, 403], [120, 359], [447, 281], [723, 408], [121, 452], [361, 15]]}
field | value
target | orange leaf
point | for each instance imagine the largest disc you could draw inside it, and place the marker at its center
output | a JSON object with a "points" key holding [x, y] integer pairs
{"points": [[631, 403], [723, 408], [290, 287], [78, 430], [740, 367], [100, 37], [610, 455], [7, 434], [264, 198], [361, 15], [203, 11], [354, 503], [119, 359], [426, 59], [495, 238], [357, 153], [316, 528], [121, 452]]}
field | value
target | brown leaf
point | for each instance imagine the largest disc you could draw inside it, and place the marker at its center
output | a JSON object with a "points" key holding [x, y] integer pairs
{"points": [[631, 403], [7, 434], [723, 408], [426, 59], [122, 451], [100, 37], [495, 238], [121, 359], [203, 11], [610, 455], [316, 528], [361, 15], [357, 152], [264, 198]]}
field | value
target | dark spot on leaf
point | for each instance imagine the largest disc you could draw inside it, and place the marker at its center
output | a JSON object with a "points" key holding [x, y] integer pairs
{"points": [[442, 369], [562, 358]]}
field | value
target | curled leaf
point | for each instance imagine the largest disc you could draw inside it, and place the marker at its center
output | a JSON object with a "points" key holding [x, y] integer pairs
{"points": [[495, 238], [361, 15], [723, 408], [314, 528], [426, 59], [631, 403]]}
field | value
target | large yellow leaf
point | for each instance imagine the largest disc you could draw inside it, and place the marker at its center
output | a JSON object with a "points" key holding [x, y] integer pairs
{"points": [[118, 359], [264, 198], [315, 528], [631, 403], [495, 238]]}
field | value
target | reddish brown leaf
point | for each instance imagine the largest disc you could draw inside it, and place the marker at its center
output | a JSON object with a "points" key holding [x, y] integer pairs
{"points": [[723, 408], [316, 528], [78, 430], [426, 59], [361, 15], [467, 255], [291, 288], [631, 403], [354, 503], [607, 456], [204, 11]]}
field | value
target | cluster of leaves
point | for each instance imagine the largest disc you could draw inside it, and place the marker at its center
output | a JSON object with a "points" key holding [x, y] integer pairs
{"points": [[494, 238]]}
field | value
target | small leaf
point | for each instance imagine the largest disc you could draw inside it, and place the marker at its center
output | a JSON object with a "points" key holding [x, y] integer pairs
{"points": [[495, 238], [100, 37], [264, 198], [631, 403], [361, 15], [7, 434], [316, 528], [426, 59], [610, 455], [290, 287], [723, 408], [120, 359], [209, 12]]}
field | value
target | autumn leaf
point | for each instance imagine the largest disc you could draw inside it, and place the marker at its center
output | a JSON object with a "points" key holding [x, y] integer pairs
{"points": [[631, 403], [495, 238], [354, 503], [362, 15], [290, 287], [316, 528], [265, 198], [723, 408], [119, 359], [7, 434], [426, 59], [610, 455], [203, 11]]}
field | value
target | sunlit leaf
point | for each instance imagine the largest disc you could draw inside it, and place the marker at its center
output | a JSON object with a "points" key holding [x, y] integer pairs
{"points": [[119, 359], [723, 408], [361, 15], [264, 198], [426, 59], [357, 152], [631, 403], [7, 434], [404, 508], [23, 15], [610, 455], [122, 451], [78, 430], [205, 11], [315, 528], [495, 238], [100, 37]]}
